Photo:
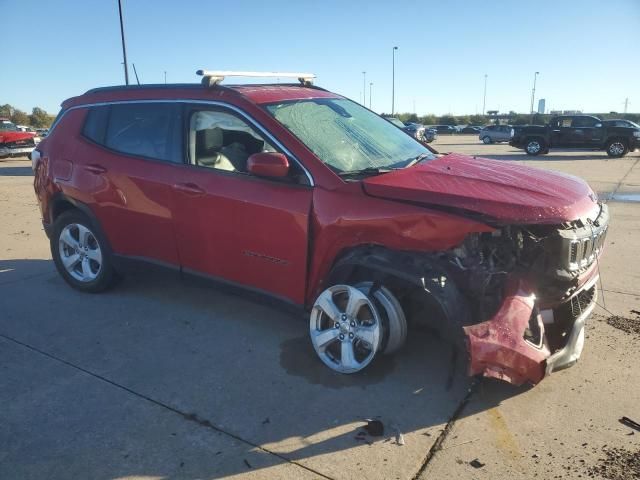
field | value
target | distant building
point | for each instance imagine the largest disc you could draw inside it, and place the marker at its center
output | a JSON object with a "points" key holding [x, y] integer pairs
{"points": [[541, 105]]}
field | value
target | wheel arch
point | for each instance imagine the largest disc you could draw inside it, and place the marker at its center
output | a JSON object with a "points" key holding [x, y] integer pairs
{"points": [[61, 203], [420, 281]]}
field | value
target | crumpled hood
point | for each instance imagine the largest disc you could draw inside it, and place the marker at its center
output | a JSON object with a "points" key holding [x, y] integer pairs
{"points": [[502, 190]]}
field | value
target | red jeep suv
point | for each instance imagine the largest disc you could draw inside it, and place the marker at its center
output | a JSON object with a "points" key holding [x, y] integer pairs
{"points": [[298, 193]]}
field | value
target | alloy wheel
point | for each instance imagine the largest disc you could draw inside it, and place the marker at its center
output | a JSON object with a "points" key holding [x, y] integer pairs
{"points": [[616, 149], [80, 252], [534, 147], [345, 329]]}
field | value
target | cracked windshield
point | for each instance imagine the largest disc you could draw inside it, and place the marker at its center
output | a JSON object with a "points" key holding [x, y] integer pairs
{"points": [[348, 137]]}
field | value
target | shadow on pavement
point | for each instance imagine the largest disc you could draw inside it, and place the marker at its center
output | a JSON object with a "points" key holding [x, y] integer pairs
{"points": [[157, 372], [16, 172]]}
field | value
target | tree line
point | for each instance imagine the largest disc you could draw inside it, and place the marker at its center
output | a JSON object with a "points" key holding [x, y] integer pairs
{"points": [[512, 118], [38, 118]]}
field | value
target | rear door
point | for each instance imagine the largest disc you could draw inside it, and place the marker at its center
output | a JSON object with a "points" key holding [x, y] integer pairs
{"points": [[132, 150], [562, 132], [503, 133], [231, 225]]}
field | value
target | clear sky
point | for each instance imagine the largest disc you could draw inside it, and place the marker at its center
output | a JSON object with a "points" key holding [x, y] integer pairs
{"points": [[587, 51]]}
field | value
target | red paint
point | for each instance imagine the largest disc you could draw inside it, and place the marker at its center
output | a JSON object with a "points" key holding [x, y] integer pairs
{"points": [[268, 164], [503, 190], [497, 348], [284, 238], [9, 136]]}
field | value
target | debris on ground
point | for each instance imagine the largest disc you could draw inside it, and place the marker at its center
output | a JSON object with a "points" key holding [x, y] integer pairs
{"points": [[375, 428], [627, 325], [399, 436], [630, 423], [618, 464], [475, 463]]}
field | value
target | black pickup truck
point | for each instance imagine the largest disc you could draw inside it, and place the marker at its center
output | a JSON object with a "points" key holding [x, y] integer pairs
{"points": [[578, 131]]}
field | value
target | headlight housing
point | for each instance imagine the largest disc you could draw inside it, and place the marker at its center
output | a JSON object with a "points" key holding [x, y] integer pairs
{"points": [[512, 133], [636, 133]]}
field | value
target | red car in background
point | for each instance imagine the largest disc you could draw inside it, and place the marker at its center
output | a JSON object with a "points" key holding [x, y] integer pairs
{"points": [[15, 142], [298, 193]]}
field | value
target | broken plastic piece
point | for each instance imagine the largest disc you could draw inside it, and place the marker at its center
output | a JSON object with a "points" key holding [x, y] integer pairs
{"points": [[375, 428]]}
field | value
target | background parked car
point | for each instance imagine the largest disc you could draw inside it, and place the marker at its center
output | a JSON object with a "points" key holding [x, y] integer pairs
{"points": [[416, 130], [577, 131], [471, 129], [445, 129], [420, 132], [495, 133]]}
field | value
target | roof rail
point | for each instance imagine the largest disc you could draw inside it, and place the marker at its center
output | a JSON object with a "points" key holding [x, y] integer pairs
{"points": [[211, 78]]}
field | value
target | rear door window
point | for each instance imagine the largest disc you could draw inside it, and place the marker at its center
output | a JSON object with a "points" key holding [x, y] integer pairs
{"points": [[150, 130]]}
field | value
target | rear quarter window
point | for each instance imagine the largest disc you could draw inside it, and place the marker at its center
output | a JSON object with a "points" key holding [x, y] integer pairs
{"points": [[150, 130], [95, 124]]}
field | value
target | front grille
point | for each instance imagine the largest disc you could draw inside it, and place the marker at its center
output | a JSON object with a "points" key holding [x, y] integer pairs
{"points": [[583, 251], [579, 244]]}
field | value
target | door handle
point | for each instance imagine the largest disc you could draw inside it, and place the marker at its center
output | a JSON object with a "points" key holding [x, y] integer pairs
{"points": [[95, 168], [190, 189]]}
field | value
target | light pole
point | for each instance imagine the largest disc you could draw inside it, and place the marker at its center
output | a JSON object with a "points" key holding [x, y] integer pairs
{"points": [[165, 77], [533, 93], [393, 82], [364, 89], [370, 87], [484, 99], [124, 48]]}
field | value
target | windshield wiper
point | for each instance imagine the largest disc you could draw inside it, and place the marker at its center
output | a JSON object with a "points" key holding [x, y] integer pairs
{"points": [[365, 171], [417, 159]]}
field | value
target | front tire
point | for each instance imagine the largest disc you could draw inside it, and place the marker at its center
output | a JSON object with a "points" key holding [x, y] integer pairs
{"points": [[617, 148], [81, 254], [534, 146], [486, 140]]}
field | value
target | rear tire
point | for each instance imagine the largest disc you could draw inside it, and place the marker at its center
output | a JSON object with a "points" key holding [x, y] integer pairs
{"points": [[81, 253], [617, 148], [534, 146]]}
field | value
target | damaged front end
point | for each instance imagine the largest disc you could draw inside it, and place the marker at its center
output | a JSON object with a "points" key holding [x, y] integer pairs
{"points": [[531, 289]]}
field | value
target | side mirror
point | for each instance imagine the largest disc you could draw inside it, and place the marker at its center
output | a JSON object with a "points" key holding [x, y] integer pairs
{"points": [[268, 164], [598, 125]]}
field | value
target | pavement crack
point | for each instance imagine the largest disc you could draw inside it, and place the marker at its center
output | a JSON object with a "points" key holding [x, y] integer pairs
{"points": [[191, 417], [624, 178], [437, 445]]}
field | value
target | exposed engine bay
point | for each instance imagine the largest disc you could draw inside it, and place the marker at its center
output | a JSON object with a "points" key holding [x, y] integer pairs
{"points": [[551, 258], [531, 290]]}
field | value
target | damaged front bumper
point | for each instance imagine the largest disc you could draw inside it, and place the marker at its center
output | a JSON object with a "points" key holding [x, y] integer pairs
{"points": [[523, 342]]}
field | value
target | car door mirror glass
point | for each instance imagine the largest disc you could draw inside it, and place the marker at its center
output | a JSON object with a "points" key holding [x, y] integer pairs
{"points": [[268, 164]]}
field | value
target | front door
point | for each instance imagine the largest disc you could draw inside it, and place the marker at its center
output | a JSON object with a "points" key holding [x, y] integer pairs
{"points": [[234, 226], [587, 132]]}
